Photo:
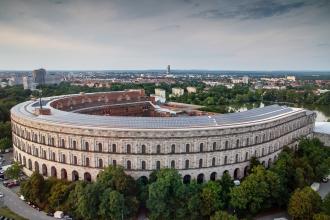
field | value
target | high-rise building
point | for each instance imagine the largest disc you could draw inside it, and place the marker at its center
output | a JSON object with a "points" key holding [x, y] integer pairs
{"points": [[191, 89], [160, 93], [168, 69], [39, 76], [245, 79], [26, 82], [177, 91]]}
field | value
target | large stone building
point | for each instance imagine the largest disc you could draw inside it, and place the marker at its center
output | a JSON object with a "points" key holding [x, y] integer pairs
{"points": [[75, 136]]}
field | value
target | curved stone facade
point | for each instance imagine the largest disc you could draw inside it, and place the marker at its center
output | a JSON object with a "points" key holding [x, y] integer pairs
{"points": [[75, 148]]}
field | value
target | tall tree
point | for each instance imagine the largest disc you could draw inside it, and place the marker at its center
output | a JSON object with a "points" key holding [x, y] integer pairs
{"points": [[304, 203]]}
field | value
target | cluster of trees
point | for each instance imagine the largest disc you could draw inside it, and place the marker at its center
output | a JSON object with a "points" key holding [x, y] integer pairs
{"points": [[113, 196], [116, 195], [220, 95], [296, 96]]}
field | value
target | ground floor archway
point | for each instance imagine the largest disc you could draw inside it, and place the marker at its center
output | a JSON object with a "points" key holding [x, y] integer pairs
{"points": [[200, 178], [64, 175], [186, 179], [53, 172], [213, 176], [75, 176], [87, 177]]}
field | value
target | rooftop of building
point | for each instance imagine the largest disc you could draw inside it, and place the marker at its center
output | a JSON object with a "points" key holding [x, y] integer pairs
{"points": [[67, 118], [322, 127]]}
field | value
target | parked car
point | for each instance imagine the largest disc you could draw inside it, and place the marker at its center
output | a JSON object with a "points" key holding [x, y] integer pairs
{"points": [[58, 214], [1, 195], [315, 186], [237, 182]]}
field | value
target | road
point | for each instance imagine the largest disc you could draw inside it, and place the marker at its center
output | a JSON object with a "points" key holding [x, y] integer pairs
{"points": [[324, 189], [14, 203]]}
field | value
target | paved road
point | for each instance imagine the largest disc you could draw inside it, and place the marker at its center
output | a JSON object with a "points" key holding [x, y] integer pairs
{"points": [[324, 189], [14, 203]]}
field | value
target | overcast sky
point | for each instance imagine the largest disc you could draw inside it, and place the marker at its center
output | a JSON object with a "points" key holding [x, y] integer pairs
{"points": [[149, 34]]}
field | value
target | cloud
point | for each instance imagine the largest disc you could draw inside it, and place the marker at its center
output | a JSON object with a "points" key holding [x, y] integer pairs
{"points": [[171, 27], [251, 10]]}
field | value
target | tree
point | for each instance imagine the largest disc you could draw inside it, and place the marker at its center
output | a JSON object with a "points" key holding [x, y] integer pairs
{"points": [[321, 216], [88, 202], [5, 143], [165, 195], [226, 183], [58, 195], [255, 191], [112, 205], [211, 198], [326, 204], [222, 215], [14, 171], [304, 203], [33, 188]]}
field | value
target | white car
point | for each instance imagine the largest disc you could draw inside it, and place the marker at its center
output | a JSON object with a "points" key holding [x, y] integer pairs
{"points": [[1, 195]]}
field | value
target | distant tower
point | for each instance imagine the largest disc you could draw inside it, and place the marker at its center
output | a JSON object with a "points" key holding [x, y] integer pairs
{"points": [[168, 69], [39, 76]]}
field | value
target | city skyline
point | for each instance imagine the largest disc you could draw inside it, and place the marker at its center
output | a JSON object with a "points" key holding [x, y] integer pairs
{"points": [[187, 34]]}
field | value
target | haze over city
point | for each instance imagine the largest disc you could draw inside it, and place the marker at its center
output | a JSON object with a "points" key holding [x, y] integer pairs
{"points": [[188, 34]]}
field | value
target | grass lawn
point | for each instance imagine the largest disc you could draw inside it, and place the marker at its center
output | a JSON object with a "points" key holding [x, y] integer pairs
{"points": [[4, 211]]}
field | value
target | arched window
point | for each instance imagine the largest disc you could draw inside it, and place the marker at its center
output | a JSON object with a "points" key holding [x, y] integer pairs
{"points": [[225, 160], [87, 162], [200, 163], [114, 163], [128, 165], [158, 165], [247, 141], [255, 153], [158, 149], [114, 150], [187, 148], [264, 138], [62, 143], [143, 165], [100, 163], [262, 151], [201, 146], [172, 164], [246, 156], [173, 148], [237, 143], [143, 149], [128, 148], [100, 147], [256, 140], [226, 145], [75, 160], [52, 143], [187, 164], [236, 158], [86, 146], [63, 158], [74, 144], [214, 146], [43, 140], [53, 156], [213, 161]]}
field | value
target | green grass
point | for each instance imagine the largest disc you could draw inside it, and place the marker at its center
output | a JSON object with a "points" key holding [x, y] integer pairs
{"points": [[4, 211]]}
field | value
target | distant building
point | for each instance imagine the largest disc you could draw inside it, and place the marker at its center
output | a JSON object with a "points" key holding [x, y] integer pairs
{"points": [[160, 93], [25, 82], [291, 78], [12, 81], [39, 76], [245, 79], [177, 91], [168, 69], [191, 89]]}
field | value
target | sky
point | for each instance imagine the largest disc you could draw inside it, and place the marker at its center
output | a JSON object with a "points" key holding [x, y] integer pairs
{"points": [[150, 34]]}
